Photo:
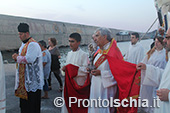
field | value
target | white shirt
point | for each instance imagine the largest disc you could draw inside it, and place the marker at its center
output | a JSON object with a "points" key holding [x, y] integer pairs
{"points": [[157, 59], [155, 76], [47, 60], [80, 59], [135, 53], [34, 77]]}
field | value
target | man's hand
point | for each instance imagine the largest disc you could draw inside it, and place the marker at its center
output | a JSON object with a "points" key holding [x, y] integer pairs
{"points": [[141, 66], [163, 94], [14, 56], [63, 68], [95, 72]]}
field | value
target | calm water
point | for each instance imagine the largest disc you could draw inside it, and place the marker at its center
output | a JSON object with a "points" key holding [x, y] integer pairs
{"points": [[122, 45]]}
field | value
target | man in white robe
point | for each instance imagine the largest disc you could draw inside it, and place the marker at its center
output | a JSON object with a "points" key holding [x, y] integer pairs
{"points": [[29, 76], [78, 58], [2, 87], [156, 57], [160, 78], [103, 84], [135, 53]]}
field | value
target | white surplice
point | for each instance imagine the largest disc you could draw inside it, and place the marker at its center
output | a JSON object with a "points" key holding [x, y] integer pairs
{"points": [[34, 76], [155, 76], [78, 58], [135, 53], [157, 59], [103, 86], [2, 87]]}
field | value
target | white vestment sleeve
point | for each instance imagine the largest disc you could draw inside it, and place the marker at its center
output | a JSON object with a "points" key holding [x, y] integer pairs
{"points": [[140, 55], [32, 52], [107, 78], [152, 75], [83, 68]]}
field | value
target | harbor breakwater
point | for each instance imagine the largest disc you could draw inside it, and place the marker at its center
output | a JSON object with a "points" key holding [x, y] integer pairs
{"points": [[43, 29]]}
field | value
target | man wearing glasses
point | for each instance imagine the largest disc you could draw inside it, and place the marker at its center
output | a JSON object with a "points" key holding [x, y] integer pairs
{"points": [[155, 76]]}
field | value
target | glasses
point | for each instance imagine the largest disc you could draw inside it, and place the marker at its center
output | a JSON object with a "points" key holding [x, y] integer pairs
{"points": [[167, 37], [72, 41]]}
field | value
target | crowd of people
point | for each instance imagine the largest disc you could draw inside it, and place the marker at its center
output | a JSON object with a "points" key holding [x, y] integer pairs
{"points": [[36, 61]]}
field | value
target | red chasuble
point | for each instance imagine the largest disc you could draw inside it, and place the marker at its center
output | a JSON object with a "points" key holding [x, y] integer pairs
{"points": [[71, 89], [128, 79]]}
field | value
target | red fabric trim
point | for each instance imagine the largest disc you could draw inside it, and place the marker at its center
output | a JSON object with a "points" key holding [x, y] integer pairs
{"points": [[128, 81], [71, 89]]}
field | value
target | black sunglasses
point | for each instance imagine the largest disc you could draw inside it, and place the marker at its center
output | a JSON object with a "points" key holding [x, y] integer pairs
{"points": [[72, 41]]}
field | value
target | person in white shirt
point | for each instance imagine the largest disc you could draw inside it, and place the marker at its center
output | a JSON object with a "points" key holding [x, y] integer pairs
{"points": [[78, 58], [2, 87], [156, 57], [46, 66], [29, 76], [160, 78], [135, 53], [103, 84]]}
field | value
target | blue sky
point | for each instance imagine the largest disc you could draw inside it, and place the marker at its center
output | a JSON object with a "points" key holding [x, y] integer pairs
{"points": [[136, 15]]}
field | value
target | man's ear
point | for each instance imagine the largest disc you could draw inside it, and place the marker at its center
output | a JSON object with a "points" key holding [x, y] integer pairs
{"points": [[105, 36], [79, 43], [27, 33]]}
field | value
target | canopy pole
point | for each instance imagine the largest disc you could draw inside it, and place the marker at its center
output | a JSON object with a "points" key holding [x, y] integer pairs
{"points": [[148, 29]]}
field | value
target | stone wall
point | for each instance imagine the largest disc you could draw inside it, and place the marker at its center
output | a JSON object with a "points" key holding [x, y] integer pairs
{"points": [[42, 30]]}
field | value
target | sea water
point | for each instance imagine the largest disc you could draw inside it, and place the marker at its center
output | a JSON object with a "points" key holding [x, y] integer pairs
{"points": [[123, 46]]}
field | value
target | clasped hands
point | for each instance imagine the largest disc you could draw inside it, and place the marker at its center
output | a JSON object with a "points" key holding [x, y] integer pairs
{"points": [[94, 72], [14, 56]]}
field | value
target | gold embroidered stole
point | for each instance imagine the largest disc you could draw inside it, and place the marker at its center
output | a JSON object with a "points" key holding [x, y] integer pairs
{"points": [[103, 57], [100, 61], [21, 90]]}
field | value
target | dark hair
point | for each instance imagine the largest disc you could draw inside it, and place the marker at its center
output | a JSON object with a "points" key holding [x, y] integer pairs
{"points": [[23, 27], [76, 36], [152, 50], [160, 39], [43, 43], [53, 40], [136, 34]]}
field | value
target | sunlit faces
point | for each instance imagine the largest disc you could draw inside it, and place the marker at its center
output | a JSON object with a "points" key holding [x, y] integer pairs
{"points": [[73, 44], [99, 39], [134, 40]]}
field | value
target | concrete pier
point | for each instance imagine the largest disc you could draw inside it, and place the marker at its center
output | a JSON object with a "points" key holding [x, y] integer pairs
{"points": [[12, 102]]}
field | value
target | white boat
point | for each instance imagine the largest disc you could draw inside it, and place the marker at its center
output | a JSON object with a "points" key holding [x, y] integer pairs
{"points": [[163, 9]]}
